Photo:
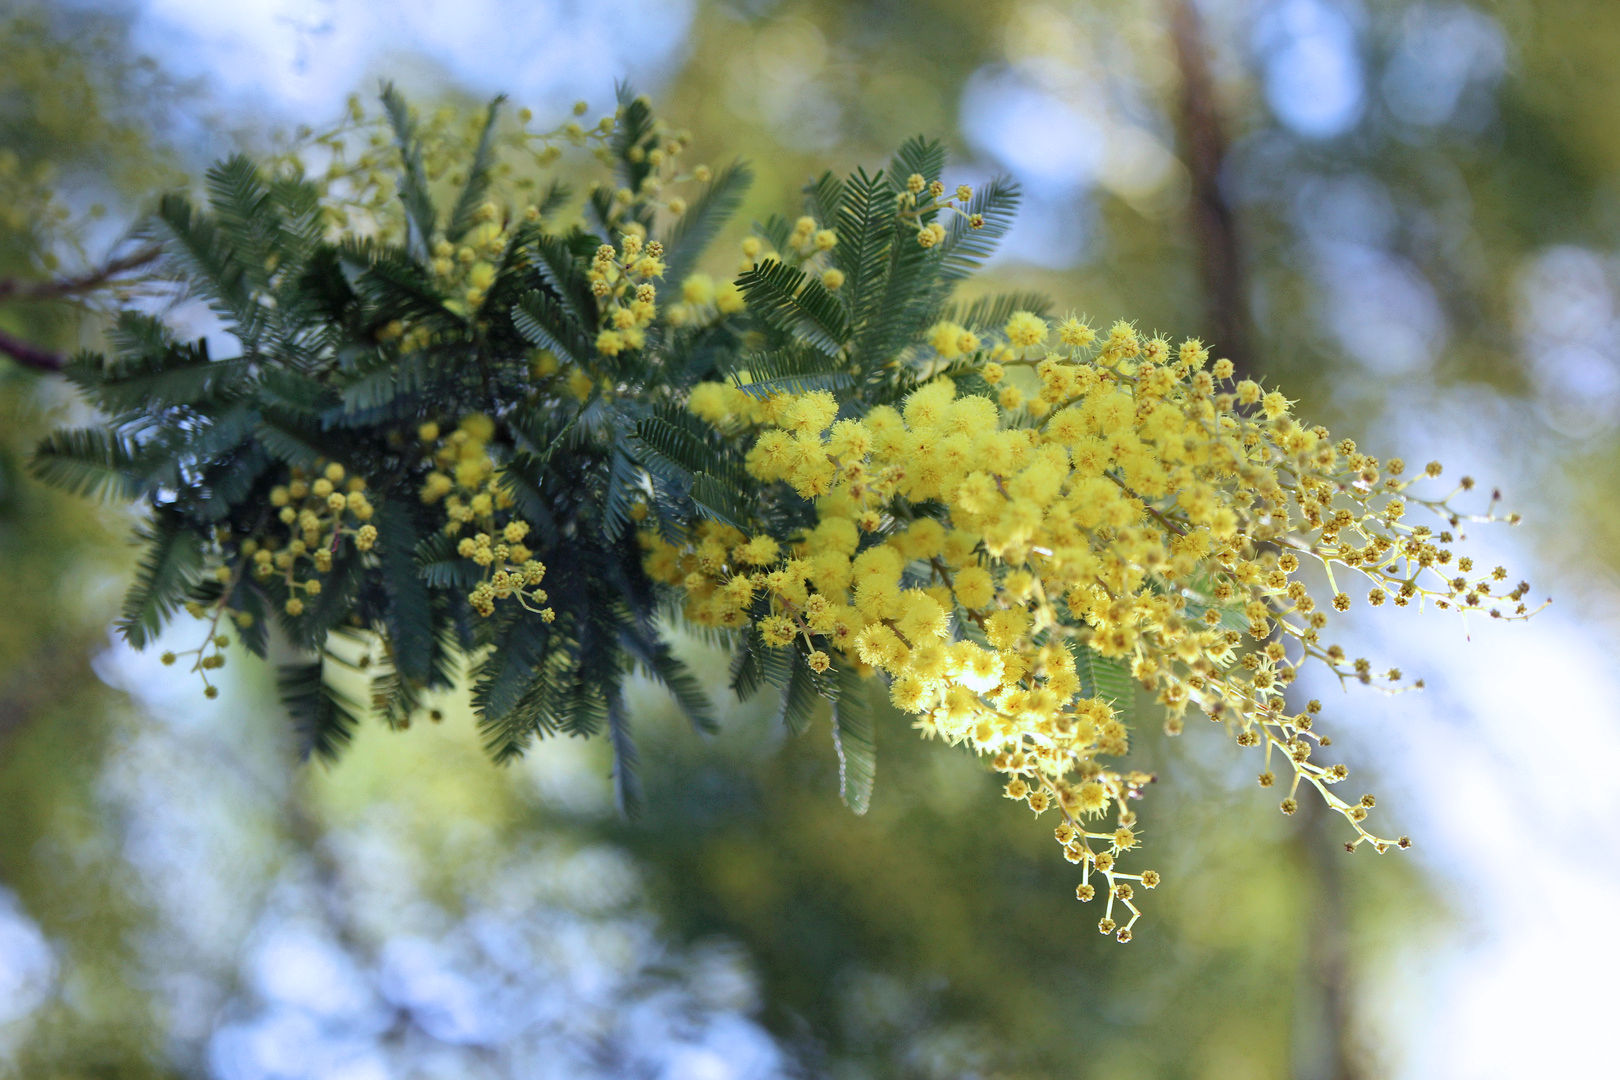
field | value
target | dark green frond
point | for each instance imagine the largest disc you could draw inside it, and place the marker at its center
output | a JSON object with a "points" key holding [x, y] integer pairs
{"points": [[799, 697], [158, 376], [410, 604], [965, 249], [659, 661], [919, 155], [323, 719], [717, 501], [1104, 677], [166, 573], [627, 795], [822, 198], [464, 214], [675, 437], [696, 228], [865, 227], [546, 322], [791, 370], [518, 688], [211, 269], [790, 301], [438, 564], [413, 185], [992, 312], [854, 740], [250, 221], [95, 462]]}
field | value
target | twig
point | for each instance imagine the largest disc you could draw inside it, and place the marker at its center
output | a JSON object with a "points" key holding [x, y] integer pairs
{"points": [[30, 355], [63, 288]]}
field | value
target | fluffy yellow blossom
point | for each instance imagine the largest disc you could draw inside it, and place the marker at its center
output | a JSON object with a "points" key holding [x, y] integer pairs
{"points": [[1026, 330], [1143, 517]]}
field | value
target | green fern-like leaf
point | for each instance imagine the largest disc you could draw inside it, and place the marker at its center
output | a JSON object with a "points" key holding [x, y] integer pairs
{"points": [[324, 719], [854, 740], [703, 219], [93, 462], [965, 249], [627, 794], [719, 502], [519, 685], [659, 662], [919, 155], [794, 370], [992, 312], [799, 697], [208, 266], [1105, 677], [545, 321], [165, 575], [675, 438], [790, 301], [464, 214], [413, 185]]}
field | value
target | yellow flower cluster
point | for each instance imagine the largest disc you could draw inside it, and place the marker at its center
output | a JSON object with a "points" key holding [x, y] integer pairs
{"points": [[470, 264], [922, 197], [621, 280], [703, 302], [317, 514], [313, 512], [210, 655], [807, 245], [355, 162], [1145, 507], [465, 479]]}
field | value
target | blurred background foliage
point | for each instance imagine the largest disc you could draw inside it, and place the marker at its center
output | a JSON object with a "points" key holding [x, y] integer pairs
{"points": [[1404, 212]]}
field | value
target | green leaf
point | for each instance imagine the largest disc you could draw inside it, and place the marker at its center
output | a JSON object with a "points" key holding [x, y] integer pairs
{"points": [[674, 441], [799, 697], [696, 228], [290, 441], [622, 487], [465, 213], [556, 197], [717, 501], [545, 321], [323, 718], [627, 793], [163, 377], [1105, 677], [919, 155], [992, 312], [410, 606], [823, 197], [557, 266], [865, 226], [520, 685], [660, 663], [790, 301], [250, 221], [95, 462], [965, 249], [249, 598], [794, 370], [439, 565], [166, 573], [633, 131], [854, 739], [209, 266], [402, 289], [413, 186]]}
